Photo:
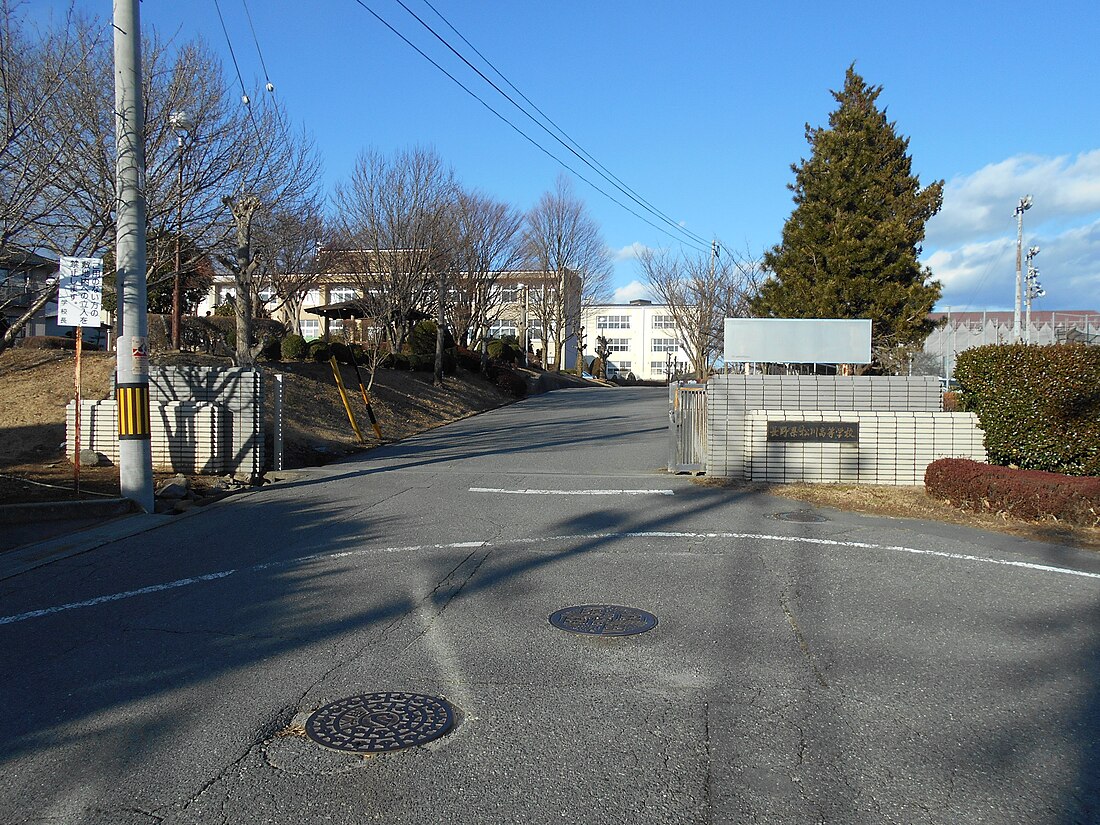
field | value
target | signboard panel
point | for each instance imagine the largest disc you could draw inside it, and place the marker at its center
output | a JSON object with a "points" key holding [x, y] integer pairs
{"points": [[80, 292], [798, 340], [830, 432]]}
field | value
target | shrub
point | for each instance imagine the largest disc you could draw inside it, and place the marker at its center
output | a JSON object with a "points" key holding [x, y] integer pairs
{"points": [[47, 342], [294, 347], [397, 361], [340, 351], [1039, 406], [319, 351], [468, 359], [1028, 494], [500, 349], [272, 349], [511, 382]]}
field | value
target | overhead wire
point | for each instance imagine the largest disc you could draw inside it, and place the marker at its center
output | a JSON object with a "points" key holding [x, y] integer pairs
{"points": [[579, 151], [256, 40], [519, 131], [279, 120]]}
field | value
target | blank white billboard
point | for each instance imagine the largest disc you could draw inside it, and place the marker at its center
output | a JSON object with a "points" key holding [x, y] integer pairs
{"points": [[798, 340]]}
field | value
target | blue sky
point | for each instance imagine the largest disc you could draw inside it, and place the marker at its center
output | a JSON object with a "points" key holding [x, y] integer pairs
{"points": [[701, 107]]}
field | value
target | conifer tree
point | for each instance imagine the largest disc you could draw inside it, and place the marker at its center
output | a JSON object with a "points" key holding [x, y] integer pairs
{"points": [[850, 246]]}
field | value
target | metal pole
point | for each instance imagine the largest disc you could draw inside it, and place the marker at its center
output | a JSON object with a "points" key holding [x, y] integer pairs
{"points": [[1021, 207], [177, 309], [132, 370]]}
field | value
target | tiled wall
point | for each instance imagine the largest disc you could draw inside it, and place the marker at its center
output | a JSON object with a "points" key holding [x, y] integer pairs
{"points": [[202, 421], [893, 447], [733, 399]]}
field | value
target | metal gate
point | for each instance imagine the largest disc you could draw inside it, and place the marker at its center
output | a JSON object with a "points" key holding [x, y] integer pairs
{"points": [[687, 428]]}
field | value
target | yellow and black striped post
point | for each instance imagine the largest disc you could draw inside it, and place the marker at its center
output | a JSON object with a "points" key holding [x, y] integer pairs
{"points": [[344, 398], [133, 411]]}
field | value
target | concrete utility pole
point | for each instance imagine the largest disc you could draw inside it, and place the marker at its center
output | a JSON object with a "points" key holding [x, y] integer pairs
{"points": [[135, 459], [1021, 207]]}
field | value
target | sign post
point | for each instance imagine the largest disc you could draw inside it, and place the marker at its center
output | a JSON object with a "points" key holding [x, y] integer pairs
{"points": [[79, 302]]}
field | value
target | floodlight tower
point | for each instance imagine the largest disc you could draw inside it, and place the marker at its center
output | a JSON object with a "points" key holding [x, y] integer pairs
{"points": [[1034, 288], [1021, 207]]}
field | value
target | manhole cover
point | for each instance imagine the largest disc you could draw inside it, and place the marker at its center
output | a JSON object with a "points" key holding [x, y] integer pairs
{"points": [[380, 722], [804, 516], [603, 620]]}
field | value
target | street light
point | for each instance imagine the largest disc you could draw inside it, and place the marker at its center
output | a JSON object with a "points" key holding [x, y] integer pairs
{"points": [[182, 123], [1021, 207]]}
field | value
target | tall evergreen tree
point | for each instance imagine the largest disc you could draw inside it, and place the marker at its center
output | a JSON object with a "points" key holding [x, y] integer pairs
{"points": [[850, 246]]}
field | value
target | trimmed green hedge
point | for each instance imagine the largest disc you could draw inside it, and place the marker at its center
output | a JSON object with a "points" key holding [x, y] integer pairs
{"points": [[1039, 406]]}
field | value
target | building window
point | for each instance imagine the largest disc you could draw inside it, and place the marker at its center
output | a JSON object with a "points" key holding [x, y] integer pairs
{"points": [[311, 328], [313, 298], [508, 294], [612, 322], [618, 366], [618, 344], [658, 367], [502, 329], [339, 294], [665, 345], [336, 326], [663, 322]]}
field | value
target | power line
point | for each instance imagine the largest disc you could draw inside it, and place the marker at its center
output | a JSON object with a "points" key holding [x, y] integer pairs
{"points": [[256, 40], [579, 152], [519, 131]]}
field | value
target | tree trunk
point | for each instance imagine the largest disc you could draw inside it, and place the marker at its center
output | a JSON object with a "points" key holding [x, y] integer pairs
{"points": [[440, 320], [243, 210], [20, 322]]}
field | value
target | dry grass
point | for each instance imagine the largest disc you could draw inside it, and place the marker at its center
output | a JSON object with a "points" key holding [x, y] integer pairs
{"points": [[915, 503]]}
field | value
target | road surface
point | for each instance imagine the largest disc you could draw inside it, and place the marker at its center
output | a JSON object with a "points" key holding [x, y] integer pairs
{"points": [[852, 670]]}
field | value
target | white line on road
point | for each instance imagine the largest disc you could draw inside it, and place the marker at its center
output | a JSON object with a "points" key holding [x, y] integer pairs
{"points": [[156, 588], [573, 492]]}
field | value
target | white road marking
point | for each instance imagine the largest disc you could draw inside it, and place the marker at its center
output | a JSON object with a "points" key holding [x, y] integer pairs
{"points": [[861, 545], [573, 492]]}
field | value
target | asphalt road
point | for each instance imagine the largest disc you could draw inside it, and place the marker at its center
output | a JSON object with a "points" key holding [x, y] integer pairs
{"points": [[856, 670]]}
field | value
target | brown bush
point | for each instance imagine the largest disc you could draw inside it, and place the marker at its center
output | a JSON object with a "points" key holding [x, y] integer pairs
{"points": [[1026, 494]]}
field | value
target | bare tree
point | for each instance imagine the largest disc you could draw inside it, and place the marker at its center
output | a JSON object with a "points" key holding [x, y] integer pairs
{"points": [[563, 241], [278, 169], [701, 291], [291, 241], [488, 242], [393, 214]]}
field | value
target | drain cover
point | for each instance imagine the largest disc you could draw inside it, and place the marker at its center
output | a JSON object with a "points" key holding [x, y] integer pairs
{"points": [[603, 620], [380, 722], [804, 516]]}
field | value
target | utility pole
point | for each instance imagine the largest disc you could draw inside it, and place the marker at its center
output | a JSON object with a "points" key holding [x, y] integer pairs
{"points": [[1021, 207], [132, 350]]}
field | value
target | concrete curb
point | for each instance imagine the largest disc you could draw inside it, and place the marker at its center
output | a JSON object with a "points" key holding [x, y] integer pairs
{"points": [[62, 510]]}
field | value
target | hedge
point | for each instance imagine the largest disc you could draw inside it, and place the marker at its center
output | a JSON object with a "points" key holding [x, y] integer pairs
{"points": [[1039, 406], [1027, 494]]}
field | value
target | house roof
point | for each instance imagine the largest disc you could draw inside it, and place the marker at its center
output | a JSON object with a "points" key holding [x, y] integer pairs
{"points": [[17, 259]]}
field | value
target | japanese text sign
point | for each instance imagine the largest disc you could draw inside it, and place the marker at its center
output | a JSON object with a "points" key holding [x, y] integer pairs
{"points": [[80, 292]]}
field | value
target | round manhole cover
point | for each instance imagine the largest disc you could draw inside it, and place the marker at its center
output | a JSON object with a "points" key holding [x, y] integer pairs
{"points": [[803, 516], [603, 620], [380, 722]]}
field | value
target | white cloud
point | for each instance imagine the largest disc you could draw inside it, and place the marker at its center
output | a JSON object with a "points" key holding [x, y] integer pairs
{"points": [[983, 203], [982, 274], [631, 292], [630, 253]]}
